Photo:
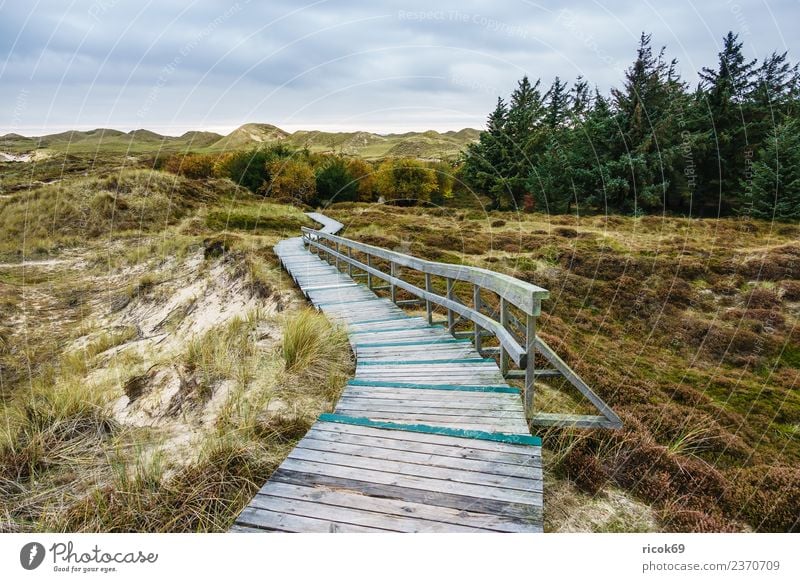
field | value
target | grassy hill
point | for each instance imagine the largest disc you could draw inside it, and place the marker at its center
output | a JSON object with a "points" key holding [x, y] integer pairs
{"points": [[249, 135], [108, 141], [425, 145]]}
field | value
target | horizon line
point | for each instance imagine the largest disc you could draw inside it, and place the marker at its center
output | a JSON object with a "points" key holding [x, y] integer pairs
{"points": [[224, 130]]}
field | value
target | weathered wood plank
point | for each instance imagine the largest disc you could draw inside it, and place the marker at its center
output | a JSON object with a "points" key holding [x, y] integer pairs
{"points": [[445, 515], [319, 442], [482, 491], [274, 521], [465, 451], [410, 491], [354, 516]]}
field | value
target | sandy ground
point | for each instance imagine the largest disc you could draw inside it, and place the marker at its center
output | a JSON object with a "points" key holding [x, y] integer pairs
{"points": [[43, 263]]}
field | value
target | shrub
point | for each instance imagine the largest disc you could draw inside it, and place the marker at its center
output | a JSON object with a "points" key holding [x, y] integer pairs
{"points": [[364, 175], [250, 168], [291, 180], [584, 468], [195, 166], [769, 497], [335, 183], [791, 290], [406, 181]]}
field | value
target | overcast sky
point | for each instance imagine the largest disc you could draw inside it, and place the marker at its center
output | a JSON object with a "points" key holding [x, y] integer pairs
{"points": [[171, 66]]}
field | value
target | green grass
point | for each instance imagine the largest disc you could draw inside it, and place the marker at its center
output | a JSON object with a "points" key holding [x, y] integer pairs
{"points": [[257, 218]]}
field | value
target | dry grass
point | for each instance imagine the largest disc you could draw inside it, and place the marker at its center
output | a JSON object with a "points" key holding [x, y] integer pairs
{"points": [[68, 460]]}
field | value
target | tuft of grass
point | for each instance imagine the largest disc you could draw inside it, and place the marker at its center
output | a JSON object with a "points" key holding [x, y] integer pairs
{"points": [[110, 339], [692, 441], [57, 424], [225, 353], [315, 350], [205, 495]]}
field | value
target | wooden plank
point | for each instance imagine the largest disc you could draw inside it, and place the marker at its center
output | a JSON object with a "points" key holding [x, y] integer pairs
{"points": [[274, 521], [429, 438], [319, 442], [445, 515], [464, 450], [435, 403], [353, 516], [235, 528], [571, 420], [502, 387], [471, 409], [532, 496], [411, 491]]}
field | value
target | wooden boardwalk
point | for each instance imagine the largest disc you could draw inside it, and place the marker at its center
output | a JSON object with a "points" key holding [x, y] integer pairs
{"points": [[428, 436]]}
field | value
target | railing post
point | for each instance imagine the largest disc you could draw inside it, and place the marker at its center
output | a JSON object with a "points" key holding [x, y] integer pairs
{"points": [[349, 264], [337, 255], [504, 323], [530, 368], [476, 300], [392, 288], [451, 320], [369, 275], [428, 308]]}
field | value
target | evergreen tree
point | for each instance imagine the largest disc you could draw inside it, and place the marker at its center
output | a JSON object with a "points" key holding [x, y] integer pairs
{"points": [[727, 90], [774, 190], [557, 105], [580, 100], [652, 146], [487, 162], [645, 112], [523, 141]]}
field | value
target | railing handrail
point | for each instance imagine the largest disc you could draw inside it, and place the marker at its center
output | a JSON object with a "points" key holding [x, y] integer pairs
{"points": [[511, 291], [515, 350], [525, 296]]}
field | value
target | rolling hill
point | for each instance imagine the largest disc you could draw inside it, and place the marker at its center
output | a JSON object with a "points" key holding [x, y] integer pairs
{"points": [[424, 145], [108, 140]]}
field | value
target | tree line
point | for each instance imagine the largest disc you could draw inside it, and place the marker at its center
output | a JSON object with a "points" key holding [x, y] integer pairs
{"points": [[730, 145], [302, 177]]}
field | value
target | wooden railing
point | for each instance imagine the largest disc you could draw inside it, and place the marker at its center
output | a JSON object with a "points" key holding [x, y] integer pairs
{"points": [[501, 307]]}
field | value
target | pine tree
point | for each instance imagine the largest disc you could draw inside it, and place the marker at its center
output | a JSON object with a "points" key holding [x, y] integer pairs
{"points": [[774, 190], [524, 140], [557, 105], [487, 162], [732, 80], [727, 90], [776, 82], [580, 100], [644, 107]]}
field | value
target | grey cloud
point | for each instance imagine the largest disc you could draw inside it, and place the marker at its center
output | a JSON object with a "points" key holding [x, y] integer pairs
{"points": [[406, 65]]}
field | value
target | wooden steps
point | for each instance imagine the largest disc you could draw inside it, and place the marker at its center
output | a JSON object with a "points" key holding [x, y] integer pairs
{"points": [[428, 436]]}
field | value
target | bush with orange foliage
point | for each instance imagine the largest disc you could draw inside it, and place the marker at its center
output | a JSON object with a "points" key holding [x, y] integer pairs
{"points": [[194, 166]]}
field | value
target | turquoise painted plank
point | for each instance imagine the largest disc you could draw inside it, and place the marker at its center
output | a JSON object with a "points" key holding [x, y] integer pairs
{"points": [[501, 437], [382, 320], [395, 328], [426, 362], [415, 386], [414, 343], [354, 301]]}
